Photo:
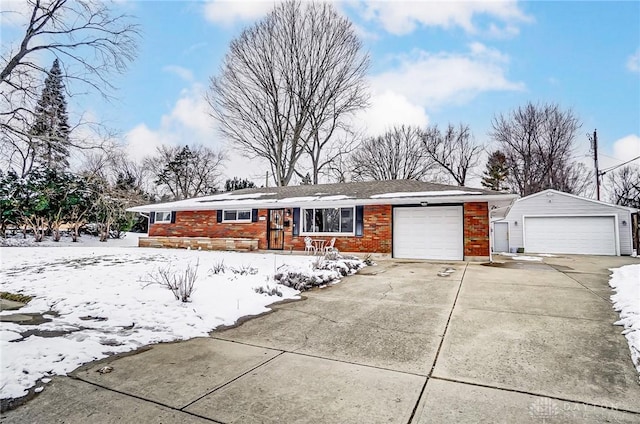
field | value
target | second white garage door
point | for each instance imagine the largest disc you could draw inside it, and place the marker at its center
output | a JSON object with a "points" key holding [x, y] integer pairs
{"points": [[428, 233], [583, 235]]}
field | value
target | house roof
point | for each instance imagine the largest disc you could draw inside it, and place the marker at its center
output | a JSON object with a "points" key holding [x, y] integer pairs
{"points": [[586, 199], [334, 195]]}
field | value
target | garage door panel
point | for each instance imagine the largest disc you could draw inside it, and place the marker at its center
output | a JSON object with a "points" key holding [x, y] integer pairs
{"points": [[593, 235], [428, 233]]}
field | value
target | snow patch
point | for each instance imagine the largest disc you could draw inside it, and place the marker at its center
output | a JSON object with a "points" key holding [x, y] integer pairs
{"points": [[104, 306], [423, 193], [625, 282]]}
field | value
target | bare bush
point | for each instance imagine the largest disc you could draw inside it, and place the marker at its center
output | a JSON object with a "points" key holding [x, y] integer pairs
{"points": [[244, 270], [181, 284], [270, 291], [218, 268]]}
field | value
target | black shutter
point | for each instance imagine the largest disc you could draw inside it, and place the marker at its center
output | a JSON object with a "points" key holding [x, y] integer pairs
{"points": [[359, 220], [152, 217], [219, 215], [296, 221], [254, 215], [173, 217]]}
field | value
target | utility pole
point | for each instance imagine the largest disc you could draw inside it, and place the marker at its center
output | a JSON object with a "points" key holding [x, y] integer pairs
{"points": [[594, 146]]}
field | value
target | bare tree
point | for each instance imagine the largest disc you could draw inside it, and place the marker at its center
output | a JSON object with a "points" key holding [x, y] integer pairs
{"points": [[397, 154], [90, 41], [453, 150], [624, 186], [288, 83], [538, 141], [183, 172]]}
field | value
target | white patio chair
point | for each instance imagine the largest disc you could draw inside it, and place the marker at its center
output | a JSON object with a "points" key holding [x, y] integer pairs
{"points": [[329, 247], [309, 246]]}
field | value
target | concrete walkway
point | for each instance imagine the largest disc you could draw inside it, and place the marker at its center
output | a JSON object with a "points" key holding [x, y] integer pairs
{"points": [[526, 343]]}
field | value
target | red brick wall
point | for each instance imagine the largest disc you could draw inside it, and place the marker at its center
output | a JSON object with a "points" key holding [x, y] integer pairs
{"points": [[476, 229], [376, 234], [203, 224]]}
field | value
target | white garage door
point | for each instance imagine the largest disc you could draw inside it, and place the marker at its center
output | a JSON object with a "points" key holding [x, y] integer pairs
{"points": [[428, 233], [586, 235]]}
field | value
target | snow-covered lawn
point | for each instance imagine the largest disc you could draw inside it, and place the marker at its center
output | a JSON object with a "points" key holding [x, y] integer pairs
{"points": [[97, 295], [625, 282]]}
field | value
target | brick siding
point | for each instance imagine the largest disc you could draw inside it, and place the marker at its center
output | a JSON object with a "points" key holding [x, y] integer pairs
{"points": [[376, 232], [476, 229]]}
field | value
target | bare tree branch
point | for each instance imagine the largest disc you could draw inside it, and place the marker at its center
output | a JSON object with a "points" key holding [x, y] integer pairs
{"points": [[287, 83], [397, 154]]}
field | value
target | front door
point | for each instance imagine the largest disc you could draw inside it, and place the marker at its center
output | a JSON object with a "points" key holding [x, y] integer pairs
{"points": [[275, 229]]}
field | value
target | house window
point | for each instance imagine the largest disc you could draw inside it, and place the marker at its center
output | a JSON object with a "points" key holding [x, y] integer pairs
{"points": [[163, 217], [236, 215], [328, 220]]}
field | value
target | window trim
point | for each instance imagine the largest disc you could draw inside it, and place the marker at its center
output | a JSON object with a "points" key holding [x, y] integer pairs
{"points": [[156, 221], [303, 217], [224, 211]]}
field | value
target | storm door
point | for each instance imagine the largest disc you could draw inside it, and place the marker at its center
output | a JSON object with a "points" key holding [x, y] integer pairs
{"points": [[275, 229]]}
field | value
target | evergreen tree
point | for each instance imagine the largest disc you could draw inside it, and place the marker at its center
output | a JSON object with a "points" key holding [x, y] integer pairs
{"points": [[495, 176], [51, 128], [238, 184]]}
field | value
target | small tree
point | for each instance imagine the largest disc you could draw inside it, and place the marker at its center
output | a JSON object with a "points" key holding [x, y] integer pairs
{"points": [[495, 176], [624, 186], [34, 202], [10, 211], [397, 154], [238, 184], [453, 150], [184, 172]]}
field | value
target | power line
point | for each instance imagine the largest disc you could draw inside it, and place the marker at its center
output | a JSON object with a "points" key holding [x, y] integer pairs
{"points": [[604, 171]]}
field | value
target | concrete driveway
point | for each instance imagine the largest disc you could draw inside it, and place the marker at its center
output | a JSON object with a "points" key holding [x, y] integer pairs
{"points": [[518, 342]]}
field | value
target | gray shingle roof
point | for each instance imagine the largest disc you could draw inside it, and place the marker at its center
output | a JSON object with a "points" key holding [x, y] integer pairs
{"points": [[357, 190]]}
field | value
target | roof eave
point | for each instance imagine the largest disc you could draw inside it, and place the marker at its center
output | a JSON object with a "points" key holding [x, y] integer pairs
{"points": [[265, 203]]}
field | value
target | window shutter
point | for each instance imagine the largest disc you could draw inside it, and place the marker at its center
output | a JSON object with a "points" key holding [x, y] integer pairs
{"points": [[254, 215], [152, 217], [359, 220], [219, 215], [173, 217], [296, 221]]}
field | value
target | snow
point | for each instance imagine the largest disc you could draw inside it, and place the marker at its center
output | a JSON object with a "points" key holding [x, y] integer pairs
{"points": [[625, 282], [99, 296], [423, 193], [527, 258]]}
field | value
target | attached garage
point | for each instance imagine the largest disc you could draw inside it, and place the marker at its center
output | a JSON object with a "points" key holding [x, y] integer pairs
{"points": [[432, 232], [561, 223], [590, 235]]}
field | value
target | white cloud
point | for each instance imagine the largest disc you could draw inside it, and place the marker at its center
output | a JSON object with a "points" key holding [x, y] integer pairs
{"points": [[229, 12], [403, 17], [627, 148], [432, 80], [388, 109], [633, 61], [183, 73], [187, 123], [14, 12]]}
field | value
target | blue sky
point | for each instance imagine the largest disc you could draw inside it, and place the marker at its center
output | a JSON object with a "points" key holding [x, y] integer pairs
{"points": [[431, 63]]}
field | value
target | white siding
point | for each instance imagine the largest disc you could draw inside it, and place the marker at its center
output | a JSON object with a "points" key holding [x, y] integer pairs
{"points": [[559, 204]]}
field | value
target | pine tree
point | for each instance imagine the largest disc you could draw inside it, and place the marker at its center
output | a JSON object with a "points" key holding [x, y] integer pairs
{"points": [[238, 184], [51, 128], [495, 176]]}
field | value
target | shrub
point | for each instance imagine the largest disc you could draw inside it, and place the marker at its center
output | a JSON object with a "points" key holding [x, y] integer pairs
{"points": [[181, 284], [244, 270], [218, 268], [270, 291]]}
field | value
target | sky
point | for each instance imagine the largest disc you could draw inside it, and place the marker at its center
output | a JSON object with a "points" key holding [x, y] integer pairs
{"points": [[431, 63]]}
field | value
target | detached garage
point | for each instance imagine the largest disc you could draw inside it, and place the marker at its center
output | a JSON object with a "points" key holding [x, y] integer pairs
{"points": [[560, 223]]}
